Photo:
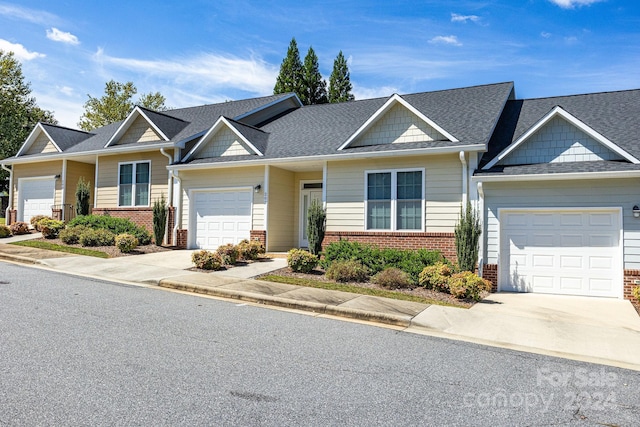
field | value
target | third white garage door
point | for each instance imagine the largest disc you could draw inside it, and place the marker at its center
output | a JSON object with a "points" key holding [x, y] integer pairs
{"points": [[572, 252], [221, 217]]}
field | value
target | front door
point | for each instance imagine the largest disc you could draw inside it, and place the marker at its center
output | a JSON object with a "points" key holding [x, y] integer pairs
{"points": [[307, 196]]}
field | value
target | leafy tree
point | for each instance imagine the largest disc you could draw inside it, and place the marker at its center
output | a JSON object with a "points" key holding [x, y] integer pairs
{"points": [[18, 110], [290, 78], [116, 104], [314, 88], [83, 193], [340, 82]]}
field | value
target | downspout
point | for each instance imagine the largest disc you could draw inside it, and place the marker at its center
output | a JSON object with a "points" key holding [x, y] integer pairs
{"points": [[10, 203], [463, 160], [324, 185], [95, 185], [63, 185], [169, 192], [482, 232]]}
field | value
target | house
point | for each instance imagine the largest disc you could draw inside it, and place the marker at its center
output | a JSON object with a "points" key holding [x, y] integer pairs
{"points": [[552, 178]]}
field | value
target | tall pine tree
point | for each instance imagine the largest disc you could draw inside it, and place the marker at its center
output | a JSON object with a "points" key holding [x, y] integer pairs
{"points": [[290, 78], [340, 82], [314, 89]]}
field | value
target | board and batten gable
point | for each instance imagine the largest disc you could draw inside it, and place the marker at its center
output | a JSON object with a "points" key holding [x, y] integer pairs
{"points": [[35, 170], [602, 193], [223, 178], [442, 185], [107, 194]]}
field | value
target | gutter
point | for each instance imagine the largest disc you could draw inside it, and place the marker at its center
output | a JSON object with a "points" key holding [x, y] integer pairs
{"points": [[10, 203], [557, 176]]}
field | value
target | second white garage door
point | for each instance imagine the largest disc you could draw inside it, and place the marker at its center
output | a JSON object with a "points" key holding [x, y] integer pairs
{"points": [[573, 252], [221, 217]]}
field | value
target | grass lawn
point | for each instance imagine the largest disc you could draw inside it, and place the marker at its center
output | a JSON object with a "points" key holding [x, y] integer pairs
{"points": [[310, 283], [60, 248]]}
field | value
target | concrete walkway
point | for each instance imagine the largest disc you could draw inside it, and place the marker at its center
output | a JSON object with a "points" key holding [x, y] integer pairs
{"points": [[598, 330]]}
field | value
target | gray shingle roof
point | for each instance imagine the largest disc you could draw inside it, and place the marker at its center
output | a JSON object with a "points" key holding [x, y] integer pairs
{"points": [[65, 137], [559, 168], [170, 126]]}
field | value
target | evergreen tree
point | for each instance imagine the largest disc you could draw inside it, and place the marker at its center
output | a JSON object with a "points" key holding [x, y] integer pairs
{"points": [[18, 110], [314, 89], [340, 82], [290, 78]]}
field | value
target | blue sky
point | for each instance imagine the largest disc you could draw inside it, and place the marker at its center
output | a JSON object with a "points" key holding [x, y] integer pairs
{"points": [[201, 51]]}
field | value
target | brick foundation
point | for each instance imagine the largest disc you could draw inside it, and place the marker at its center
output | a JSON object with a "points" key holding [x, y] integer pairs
{"points": [[56, 214], [182, 238], [260, 235], [13, 217], [444, 242], [139, 216], [171, 215], [629, 277], [490, 272]]}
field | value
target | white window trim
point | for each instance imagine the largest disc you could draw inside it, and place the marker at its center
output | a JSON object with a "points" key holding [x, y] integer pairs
{"points": [[133, 184], [394, 200]]}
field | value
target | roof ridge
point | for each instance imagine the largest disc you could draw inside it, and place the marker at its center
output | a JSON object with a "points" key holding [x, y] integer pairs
{"points": [[243, 124], [578, 94], [66, 128], [280, 95], [162, 113]]}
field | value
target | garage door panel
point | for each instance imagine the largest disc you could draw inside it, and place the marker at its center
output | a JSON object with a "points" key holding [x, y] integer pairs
{"points": [[600, 263], [571, 220], [571, 240], [601, 220], [542, 220], [571, 283], [541, 261], [543, 240], [222, 217], [571, 261], [542, 282]]}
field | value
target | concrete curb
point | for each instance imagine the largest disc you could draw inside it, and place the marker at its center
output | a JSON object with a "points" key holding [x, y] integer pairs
{"points": [[19, 258], [289, 303]]}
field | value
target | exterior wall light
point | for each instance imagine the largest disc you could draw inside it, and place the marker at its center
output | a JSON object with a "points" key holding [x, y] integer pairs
{"points": [[258, 187], [636, 211]]}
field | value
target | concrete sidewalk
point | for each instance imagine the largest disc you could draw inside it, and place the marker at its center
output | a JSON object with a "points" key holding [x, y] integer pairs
{"points": [[598, 330]]}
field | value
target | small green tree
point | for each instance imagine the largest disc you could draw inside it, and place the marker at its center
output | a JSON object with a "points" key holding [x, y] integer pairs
{"points": [[290, 78], [159, 219], [83, 194], [314, 87], [467, 236], [340, 81], [316, 221]]}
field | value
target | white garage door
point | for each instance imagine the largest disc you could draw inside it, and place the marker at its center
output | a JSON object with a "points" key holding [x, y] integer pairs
{"points": [[221, 217], [35, 197], [561, 252]]}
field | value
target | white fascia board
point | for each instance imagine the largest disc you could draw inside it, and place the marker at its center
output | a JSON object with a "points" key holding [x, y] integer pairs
{"points": [[129, 121], [557, 176], [291, 96], [331, 157], [393, 100], [221, 122], [33, 136], [559, 111]]}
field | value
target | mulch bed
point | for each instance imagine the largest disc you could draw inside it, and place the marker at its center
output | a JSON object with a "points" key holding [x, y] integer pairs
{"points": [[318, 275], [112, 251]]}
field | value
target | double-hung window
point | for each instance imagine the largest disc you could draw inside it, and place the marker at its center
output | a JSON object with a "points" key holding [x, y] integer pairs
{"points": [[395, 200], [133, 184]]}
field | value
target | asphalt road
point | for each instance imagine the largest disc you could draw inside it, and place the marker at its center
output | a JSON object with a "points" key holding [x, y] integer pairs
{"points": [[76, 351]]}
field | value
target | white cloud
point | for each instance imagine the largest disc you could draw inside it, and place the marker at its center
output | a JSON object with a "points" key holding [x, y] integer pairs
{"points": [[452, 40], [571, 4], [464, 18], [66, 90], [19, 51], [361, 92], [60, 36], [26, 14], [545, 34], [207, 70]]}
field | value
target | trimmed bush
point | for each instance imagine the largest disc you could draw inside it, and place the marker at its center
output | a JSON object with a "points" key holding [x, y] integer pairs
{"points": [[435, 277], [250, 250], [468, 285], [50, 228], [126, 242], [348, 271], [316, 223], [229, 253], [99, 237], [114, 225], [207, 260], [301, 261], [4, 231], [71, 235], [36, 219], [392, 278], [19, 227], [160, 211]]}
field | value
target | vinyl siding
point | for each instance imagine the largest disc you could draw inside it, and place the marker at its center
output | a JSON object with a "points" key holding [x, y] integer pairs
{"points": [[107, 196], [558, 194], [139, 131], [281, 210], [224, 143], [224, 178], [443, 191], [36, 170], [301, 176], [42, 145], [75, 170]]}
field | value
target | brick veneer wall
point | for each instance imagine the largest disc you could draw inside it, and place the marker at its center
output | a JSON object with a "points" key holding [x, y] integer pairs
{"points": [[182, 238], [13, 217], [171, 215], [260, 235], [56, 214], [445, 242], [490, 272], [629, 277], [140, 216]]}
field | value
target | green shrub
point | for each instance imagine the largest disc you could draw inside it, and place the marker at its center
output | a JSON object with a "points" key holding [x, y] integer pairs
{"points": [[19, 227], [301, 261], [393, 278], [348, 271], [36, 219], [229, 253], [4, 231], [126, 242], [83, 194], [114, 225], [468, 285], [50, 228], [467, 236], [316, 222], [207, 260], [71, 235], [159, 219], [636, 293], [435, 277], [97, 237], [250, 250]]}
